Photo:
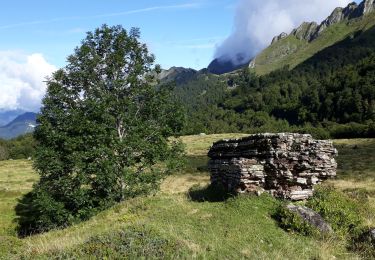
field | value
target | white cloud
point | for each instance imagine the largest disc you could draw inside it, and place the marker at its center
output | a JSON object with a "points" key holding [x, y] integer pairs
{"points": [[257, 22], [22, 79]]}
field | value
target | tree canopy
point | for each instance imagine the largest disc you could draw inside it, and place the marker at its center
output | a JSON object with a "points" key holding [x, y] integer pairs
{"points": [[103, 131]]}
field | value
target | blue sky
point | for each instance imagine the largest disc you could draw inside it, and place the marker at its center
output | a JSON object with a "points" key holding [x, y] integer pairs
{"points": [[179, 33]]}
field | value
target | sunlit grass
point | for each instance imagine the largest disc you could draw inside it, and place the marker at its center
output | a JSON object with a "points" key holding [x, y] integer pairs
{"points": [[236, 228], [16, 178]]}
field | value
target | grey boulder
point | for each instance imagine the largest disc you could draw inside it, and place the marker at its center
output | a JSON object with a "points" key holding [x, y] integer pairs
{"points": [[311, 217]]}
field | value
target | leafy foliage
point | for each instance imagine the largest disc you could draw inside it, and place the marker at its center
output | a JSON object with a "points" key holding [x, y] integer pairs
{"points": [[342, 212], [103, 131], [291, 221], [22, 147], [363, 243]]}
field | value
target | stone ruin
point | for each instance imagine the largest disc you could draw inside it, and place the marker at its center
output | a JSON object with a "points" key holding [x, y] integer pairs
{"points": [[286, 165]]}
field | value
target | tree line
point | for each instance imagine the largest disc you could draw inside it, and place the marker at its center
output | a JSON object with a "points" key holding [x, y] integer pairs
{"points": [[22, 147], [331, 95]]}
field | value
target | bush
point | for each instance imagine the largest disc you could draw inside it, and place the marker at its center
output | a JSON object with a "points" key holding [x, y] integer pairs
{"points": [[363, 244], [350, 130], [21, 147], [316, 132], [291, 221], [338, 209], [38, 207]]}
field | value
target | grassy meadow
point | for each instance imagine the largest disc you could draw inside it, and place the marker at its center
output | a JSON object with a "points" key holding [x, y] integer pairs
{"points": [[181, 220]]}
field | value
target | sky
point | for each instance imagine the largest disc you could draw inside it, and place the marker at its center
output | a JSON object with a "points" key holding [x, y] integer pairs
{"points": [[38, 35]]}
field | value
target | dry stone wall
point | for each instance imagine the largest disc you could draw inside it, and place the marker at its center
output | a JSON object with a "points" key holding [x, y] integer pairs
{"points": [[286, 165]]}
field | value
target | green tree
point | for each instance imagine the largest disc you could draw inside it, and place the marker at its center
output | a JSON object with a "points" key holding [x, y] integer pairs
{"points": [[103, 131]]}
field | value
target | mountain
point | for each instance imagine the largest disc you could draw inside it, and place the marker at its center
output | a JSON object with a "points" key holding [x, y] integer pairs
{"points": [[9, 115], [179, 75], [22, 124], [330, 94], [224, 65], [310, 38]]}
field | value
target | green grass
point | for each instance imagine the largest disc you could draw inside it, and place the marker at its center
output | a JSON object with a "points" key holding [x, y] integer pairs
{"points": [[16, 178], [275, 56], [174, 224]]}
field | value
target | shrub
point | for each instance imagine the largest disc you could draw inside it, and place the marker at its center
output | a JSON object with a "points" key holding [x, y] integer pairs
{"points": [[363, 243], [291, 221], [338, 209], [350, 130]]}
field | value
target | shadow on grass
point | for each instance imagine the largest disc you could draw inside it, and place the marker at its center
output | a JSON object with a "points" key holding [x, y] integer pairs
{"points": [[35, 216], [25, 216], [210, 193]]}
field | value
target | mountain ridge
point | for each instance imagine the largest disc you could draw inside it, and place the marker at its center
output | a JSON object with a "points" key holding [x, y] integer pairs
{"points": [[22, 124], [309, 38]]}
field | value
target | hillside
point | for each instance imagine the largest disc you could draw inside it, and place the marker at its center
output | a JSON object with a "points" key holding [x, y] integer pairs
{"points": [[7, 116], [179, 75], [331, 94], [21, 125], [310, 38], [221, 66], [184, 219]]}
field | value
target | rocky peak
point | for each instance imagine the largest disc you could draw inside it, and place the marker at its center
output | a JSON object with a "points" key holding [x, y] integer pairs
{"points": [[279, 37], [305, 31], [336, 16], [225, 64], [310, 31], [366, 7], [350, 10], [177, 74]]}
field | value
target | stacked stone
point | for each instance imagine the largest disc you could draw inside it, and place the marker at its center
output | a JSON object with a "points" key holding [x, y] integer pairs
{"points": [[286, 165]]}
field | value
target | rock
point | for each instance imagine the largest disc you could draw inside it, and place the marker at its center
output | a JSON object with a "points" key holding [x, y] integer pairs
{"points": [[366, 7], [279, 37], [372, 235], [305, 31], [252, 63], [310, 31], [311, 217], [286, 165]]}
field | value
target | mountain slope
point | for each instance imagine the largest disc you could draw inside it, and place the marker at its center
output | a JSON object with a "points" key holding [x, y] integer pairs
{"points": [[334, 90], [309, 38], [22, 124], [179, 75], [221, 66], [9, 115]]}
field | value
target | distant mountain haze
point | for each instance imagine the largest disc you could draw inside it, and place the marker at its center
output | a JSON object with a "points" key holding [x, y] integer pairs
{"points": [[7, 116], [22, 124]]}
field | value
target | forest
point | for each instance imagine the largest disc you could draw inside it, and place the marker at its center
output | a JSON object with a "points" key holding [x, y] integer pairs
{"points": [[331, 95]]}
